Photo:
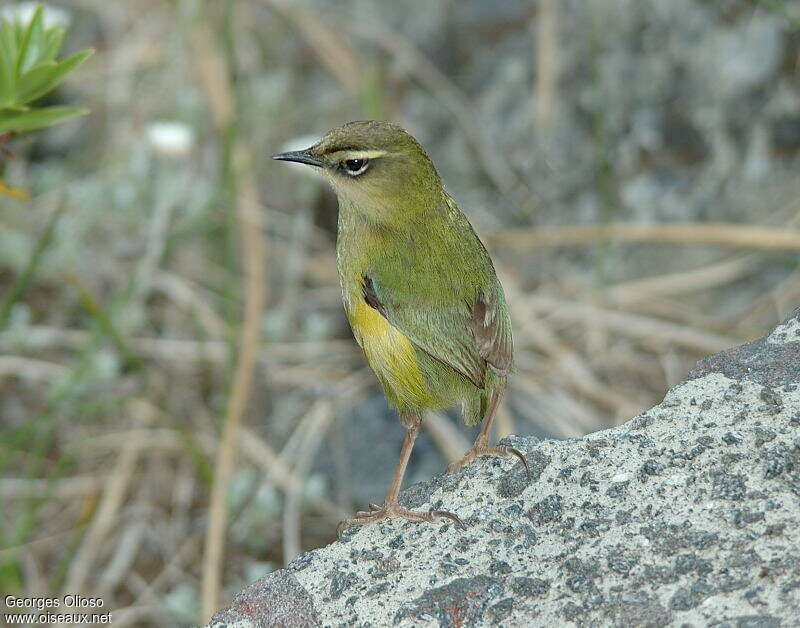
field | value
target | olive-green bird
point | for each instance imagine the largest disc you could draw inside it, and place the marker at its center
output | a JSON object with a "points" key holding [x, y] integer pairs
{"points": [[418, 287]]}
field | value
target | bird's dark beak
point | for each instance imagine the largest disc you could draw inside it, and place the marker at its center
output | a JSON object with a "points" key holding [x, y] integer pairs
{"points": [[300, 156]]}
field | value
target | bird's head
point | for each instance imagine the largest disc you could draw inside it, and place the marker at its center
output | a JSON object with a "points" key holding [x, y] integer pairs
{"points": [[377, 167]]}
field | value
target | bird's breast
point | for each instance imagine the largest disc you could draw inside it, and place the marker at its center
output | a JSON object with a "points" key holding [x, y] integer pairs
{"points": [[389, 351], [390, 354]]}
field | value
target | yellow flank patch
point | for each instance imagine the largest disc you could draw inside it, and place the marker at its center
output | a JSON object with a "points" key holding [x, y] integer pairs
{"points": [[391, 355]]}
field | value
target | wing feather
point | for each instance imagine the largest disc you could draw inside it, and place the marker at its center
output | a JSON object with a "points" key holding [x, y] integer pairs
{"points": [[492, 333], [467, 336]]}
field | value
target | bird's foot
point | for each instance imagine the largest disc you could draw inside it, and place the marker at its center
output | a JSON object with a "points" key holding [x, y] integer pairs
{"points": [[485, 450], [391, 510]]}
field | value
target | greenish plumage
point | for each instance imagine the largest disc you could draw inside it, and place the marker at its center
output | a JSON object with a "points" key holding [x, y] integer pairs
{"points": [[427, 280], [418, 287], [427, 272]]}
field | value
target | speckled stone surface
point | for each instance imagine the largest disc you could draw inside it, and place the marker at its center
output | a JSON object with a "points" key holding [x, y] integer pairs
{"points": [[686, 515], [276, 600]]}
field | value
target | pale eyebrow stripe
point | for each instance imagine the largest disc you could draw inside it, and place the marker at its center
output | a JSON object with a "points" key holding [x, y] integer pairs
{"points": [[364, 154]]}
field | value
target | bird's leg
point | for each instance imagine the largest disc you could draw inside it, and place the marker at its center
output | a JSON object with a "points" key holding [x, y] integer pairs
{"points": [[391, 507], [481, 446]]}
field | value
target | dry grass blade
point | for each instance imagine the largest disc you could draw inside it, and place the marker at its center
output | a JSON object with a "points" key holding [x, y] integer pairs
{"points": [[320, 418], [448, 438], [260, 454], [148, 595], [158, 439], [787, 291], [649, 331], [73, 488], [721, 234], [35, 583], [672, 284], [546, 64], [122, 559], [569, 363], [575, 369], [29, 368], [105, 517], [212, 73], [215, 79], [157, 234], [38, 338], [551, 407], [255, 296], [183, 293]]}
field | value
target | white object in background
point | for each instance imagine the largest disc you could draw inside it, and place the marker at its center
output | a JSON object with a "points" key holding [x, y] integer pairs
{"points": [[171, 139]]}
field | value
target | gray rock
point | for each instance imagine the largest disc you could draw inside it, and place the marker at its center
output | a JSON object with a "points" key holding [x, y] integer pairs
{"points": [[685, 515], [275, 600]]}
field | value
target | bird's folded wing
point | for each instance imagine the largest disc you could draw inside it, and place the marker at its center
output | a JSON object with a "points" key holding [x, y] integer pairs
{"points": [[491, 328], [465, 335]]}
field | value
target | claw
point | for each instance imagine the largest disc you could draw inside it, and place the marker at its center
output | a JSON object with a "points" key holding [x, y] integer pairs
{"points": [[449, 515], [520, 455], [483, 450]]}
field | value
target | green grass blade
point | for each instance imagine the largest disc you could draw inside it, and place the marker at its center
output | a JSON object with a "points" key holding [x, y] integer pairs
{"points": [[20, 286], [105, 323]]}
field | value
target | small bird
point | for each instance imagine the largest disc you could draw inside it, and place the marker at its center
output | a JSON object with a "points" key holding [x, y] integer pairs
{"points": [[418, 287]]}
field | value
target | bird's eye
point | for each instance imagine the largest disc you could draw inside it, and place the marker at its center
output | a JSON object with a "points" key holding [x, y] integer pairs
{"points": [[354, 167]]}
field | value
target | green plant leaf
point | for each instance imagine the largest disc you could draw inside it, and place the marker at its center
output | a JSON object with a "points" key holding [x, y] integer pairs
{"points": [[54, 38], [34, 79], [19, 31], [34, 119], [33, 43], [41, 79], [8, 52], [27, 34]]}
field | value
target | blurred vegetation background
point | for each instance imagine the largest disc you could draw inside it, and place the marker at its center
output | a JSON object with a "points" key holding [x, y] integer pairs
{"points": [[182, 406]]}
